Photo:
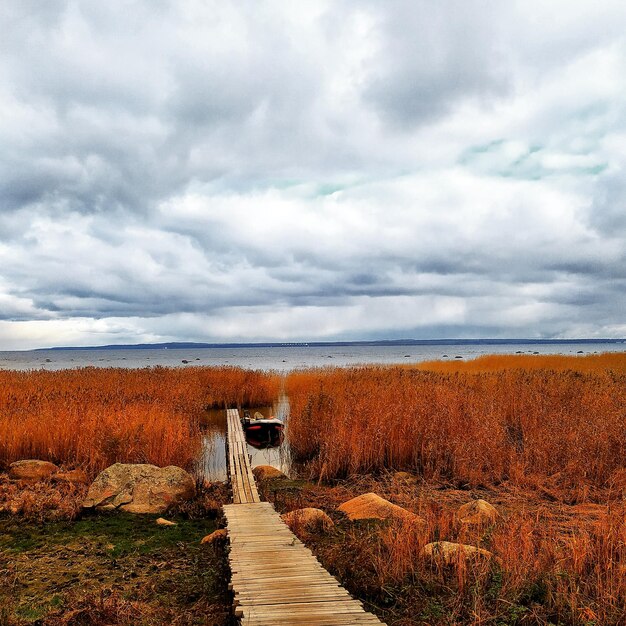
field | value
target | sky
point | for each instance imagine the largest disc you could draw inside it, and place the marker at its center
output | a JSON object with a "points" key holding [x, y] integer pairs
{"points": [[289, 171]]}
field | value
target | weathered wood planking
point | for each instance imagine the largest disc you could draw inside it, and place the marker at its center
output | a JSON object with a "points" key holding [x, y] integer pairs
{"points": [[276, 579], [239, 469]]}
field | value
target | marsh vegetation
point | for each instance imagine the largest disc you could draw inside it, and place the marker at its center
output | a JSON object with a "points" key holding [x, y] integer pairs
{"points": [[543, 439]]}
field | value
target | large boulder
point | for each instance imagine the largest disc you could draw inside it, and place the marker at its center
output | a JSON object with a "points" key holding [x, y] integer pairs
{"points": [[478, 513], [140, 488], [308, 519], [32, 470], [266, 472], [372, 506], [449, 553]]}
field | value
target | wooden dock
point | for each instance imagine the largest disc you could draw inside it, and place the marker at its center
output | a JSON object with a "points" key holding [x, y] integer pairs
{"points": [[239, 469], [276, 579]]}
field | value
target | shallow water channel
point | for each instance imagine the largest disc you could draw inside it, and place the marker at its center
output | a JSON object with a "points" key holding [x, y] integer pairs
{"points": [[212, 463]]}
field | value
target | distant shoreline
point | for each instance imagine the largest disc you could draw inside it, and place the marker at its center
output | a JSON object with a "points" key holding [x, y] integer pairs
{"points": [[326, 344]]}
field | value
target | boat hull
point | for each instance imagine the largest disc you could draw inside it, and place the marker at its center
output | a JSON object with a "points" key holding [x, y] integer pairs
{"points": [[263, 433]]}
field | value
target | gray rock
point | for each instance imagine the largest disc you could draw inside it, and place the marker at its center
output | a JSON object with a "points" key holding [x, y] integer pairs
{"points": [[140, 488]]}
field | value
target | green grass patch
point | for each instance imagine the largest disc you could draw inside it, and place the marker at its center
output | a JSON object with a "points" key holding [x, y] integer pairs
{"points": [[103, 563]]}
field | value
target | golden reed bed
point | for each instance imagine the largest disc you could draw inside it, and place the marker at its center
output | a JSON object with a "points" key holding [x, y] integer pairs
{"points": [[495, 419], [93, 417], [542, 438]]}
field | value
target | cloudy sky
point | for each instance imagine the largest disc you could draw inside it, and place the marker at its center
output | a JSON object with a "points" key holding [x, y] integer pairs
{"points": [[255, 170]]}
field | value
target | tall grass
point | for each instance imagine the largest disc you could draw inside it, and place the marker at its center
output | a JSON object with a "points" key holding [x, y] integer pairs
{"points": [[496, 419], [614, 361], [94, 417], [537, 576]]}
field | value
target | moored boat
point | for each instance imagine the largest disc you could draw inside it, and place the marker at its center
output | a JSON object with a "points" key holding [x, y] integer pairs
{"points": [[261, 429]]}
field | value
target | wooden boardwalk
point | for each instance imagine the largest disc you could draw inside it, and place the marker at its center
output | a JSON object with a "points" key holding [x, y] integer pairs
{"points": [[239, 470], [276, 579]]}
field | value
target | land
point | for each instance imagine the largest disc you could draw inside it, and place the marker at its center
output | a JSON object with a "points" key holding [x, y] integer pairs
{"points": [[541, 439], [110, 569], [178, 345], [550, 559], [60, 565]]}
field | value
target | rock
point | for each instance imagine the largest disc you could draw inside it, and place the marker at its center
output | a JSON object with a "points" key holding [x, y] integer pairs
{"points": [[372, 506], [32, 470], [450, 552], [140, 488], [75, 477], [218, 536], [265, 472], [478, 513], [404, 478], [165, 522], [308, 519]]}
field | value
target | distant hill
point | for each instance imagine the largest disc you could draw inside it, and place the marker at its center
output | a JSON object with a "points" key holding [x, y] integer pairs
{"points": [[185, 345]]}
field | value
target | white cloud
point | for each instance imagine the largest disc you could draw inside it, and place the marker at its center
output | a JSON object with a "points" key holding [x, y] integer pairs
{"points": [[318, 170]]}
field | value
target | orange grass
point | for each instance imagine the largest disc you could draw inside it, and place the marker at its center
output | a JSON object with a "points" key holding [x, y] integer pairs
{"points": [[614, 361], [574, 578], [94, 417], [538, 434], [561, 428], [552, 563]]}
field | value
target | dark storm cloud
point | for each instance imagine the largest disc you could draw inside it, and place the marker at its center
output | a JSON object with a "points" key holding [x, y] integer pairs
{"points": [[262, 170]]}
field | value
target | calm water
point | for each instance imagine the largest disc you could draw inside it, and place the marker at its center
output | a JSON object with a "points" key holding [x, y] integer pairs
{"points": [[280, 358], [212, 464]]}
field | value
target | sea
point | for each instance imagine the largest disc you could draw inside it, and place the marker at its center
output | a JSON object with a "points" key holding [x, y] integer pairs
{"points": [[288, 357]]}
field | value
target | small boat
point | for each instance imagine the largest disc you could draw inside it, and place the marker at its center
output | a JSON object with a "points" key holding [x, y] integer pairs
{"points": [[261, 429]]}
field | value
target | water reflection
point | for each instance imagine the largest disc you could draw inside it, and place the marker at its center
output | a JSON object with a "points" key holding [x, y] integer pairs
{"points": [[212, 463]]}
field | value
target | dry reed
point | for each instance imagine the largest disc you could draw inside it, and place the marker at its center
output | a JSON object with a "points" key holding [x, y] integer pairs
{"points": [[94, 417], [551, 430], [561, 427], [535, 576]]}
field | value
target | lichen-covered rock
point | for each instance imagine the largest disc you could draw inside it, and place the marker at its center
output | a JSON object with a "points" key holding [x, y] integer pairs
{"points": [[404, 478], [32, 470], [218, 536], [140, 488], [449, 553], [165, 522], [265, 472], [372, 506], [478, 513], [308, 519], [75, 477]]}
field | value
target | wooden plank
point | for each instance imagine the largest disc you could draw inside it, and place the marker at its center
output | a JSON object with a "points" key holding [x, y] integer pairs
{"points": [[238, 472], [311, 620], [290, 593], [305, 609], [292, 579]]}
